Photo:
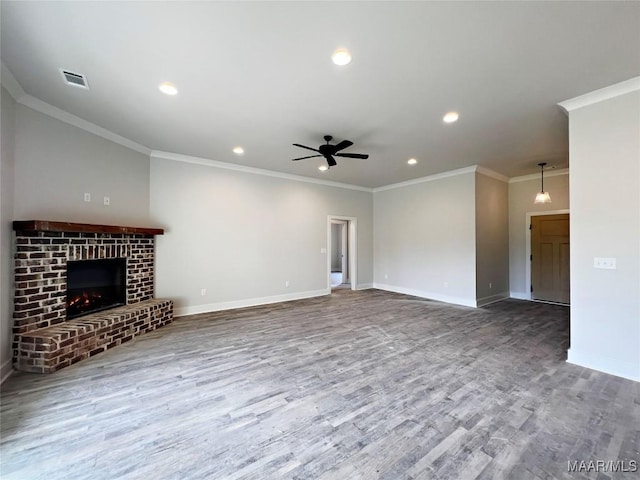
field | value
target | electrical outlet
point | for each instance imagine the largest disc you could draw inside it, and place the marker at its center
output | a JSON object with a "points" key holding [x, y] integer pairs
{"points": [[446, 284], [203, 292], [286, 283], [323, 250], [107, 201], [87, 197], [490, 287], [386, 276]]}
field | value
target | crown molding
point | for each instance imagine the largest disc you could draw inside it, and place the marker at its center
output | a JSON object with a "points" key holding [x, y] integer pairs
{"points": [[601, 95], [252, 170], [536, 176], [429, 178], [66, 117], [9, 82], [490, 173]]}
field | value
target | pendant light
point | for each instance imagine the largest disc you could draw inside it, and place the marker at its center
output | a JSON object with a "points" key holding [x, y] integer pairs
{"points": [[542, 196]]}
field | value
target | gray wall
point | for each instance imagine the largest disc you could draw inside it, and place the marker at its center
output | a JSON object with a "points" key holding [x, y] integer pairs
{"points": [[424, 239], [604, 150], [241, 236], [521, 197], [492, 239], [56, 163], [7, 127]]}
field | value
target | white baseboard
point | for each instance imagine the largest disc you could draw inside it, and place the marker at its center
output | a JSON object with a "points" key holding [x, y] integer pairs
{"points": [[520, 295], [364, 286], [605, 365], [466, 302], [484, 301], [6, 369], [249, 302]]}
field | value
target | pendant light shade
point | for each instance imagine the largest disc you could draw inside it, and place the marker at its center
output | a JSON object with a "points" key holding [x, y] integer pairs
{"points": [[542, 196]]}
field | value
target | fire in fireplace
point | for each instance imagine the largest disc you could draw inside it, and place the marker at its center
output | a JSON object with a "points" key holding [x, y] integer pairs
{"points": [[94, 285]]}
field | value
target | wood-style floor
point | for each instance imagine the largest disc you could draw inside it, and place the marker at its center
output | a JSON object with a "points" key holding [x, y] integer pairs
{"points": [[356, 385]]}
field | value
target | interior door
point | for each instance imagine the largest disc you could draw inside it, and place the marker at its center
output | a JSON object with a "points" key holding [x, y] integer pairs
{"points": [[550, 258]]}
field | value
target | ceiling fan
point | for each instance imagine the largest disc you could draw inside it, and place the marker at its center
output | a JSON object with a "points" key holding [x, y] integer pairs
{"points": [[329, 151]]}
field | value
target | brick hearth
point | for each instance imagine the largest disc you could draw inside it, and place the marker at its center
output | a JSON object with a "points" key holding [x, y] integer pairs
{"points": [[41, 330]]}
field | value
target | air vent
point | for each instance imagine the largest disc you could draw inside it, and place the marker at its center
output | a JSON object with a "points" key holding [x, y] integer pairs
{"points": [[74, 79]]}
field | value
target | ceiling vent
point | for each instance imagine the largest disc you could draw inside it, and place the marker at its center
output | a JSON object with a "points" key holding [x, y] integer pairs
{"points": [[74, 79]]}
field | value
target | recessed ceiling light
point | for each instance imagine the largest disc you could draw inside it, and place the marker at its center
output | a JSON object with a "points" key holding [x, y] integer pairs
{"points": [[412, 161], [450, 117], [238, 150], [341, 57], [323, 168], [168, 88]]}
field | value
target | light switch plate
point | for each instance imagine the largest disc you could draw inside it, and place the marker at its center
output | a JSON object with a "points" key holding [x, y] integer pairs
{"points": [[607, 263]]}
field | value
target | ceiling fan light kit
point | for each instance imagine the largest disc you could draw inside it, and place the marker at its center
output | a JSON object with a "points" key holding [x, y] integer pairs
{"points": [[329, 151]]}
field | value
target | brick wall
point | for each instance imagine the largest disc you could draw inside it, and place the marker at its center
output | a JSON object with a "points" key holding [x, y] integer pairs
{"points": [[41, 272]]}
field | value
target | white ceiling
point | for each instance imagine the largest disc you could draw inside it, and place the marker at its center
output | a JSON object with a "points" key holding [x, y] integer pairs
{"points": [[259, 75]]}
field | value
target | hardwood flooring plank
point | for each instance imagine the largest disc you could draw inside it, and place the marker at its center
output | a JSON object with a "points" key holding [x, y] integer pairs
{"points": [[358, 385]]}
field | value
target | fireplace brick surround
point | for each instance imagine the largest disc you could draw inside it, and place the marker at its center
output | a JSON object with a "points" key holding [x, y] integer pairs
{"points": [[44, 341]]}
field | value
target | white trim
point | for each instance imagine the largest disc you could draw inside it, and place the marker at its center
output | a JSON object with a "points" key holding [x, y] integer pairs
{"points": [[498, 297], [601, 95], [10, 83], [430, 178], [6, 369], [549, 302], [490, 173], [606, 365], [352, 223], [255, 171], [536, 176], [66, 117], [527, 236], [465, 302], [249, 302], [364, 286]]}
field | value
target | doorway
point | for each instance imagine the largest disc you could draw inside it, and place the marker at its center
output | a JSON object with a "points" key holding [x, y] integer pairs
{"points": [[341, 255], [549, 257]]}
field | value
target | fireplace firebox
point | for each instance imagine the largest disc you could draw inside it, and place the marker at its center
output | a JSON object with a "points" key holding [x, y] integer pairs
{"points": [[95, 285]]}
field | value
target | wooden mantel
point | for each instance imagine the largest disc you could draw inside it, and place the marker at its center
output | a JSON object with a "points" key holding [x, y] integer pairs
{"points": [[45, 226]]}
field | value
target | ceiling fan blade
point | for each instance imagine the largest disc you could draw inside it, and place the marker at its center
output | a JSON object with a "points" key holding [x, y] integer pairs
{"points": [[310, 156], [331, 161], [308, 148], [352, 155], [342, 145]]}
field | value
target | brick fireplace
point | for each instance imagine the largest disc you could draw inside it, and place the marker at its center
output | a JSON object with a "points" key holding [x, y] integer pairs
{"points": [[44, 339]]}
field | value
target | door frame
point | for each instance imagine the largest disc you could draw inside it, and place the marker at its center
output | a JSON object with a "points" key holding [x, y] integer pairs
{"points": [[527, 236], [352, 225]]}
